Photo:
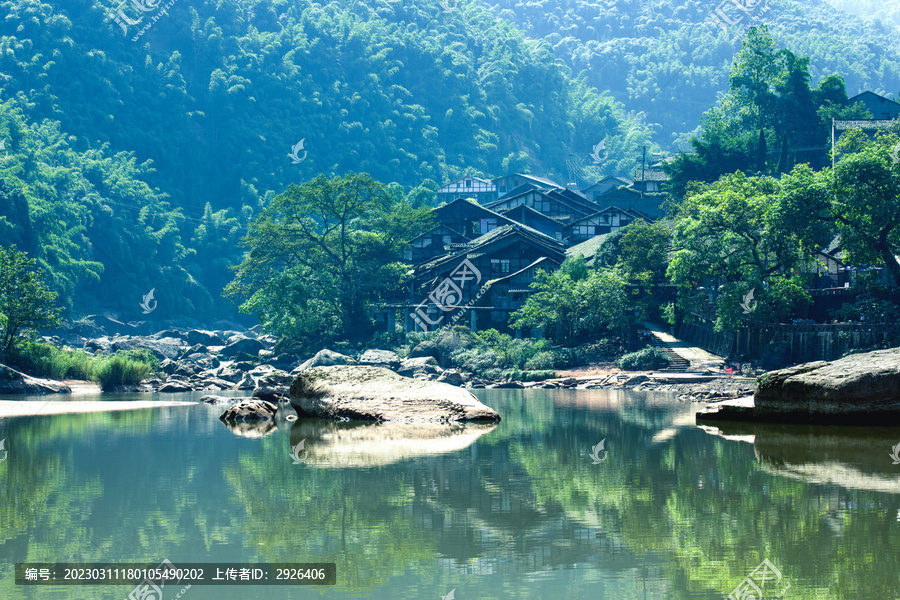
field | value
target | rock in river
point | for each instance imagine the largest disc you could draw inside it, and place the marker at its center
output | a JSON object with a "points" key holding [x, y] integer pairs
{"points": [[377, 394], [13, 382], [250, 410], [860, 388]]}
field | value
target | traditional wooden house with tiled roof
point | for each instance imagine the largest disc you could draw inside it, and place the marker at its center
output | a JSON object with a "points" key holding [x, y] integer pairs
{"points": [[508, 183], [526, 215], [510, 292], [435, 242], [469, 218], [604, 221], [480, 190], [551, 203], [441, 291], [594, 191], [881, 108]]}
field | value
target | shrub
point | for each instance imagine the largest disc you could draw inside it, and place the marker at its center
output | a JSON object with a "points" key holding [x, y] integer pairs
{"points": [[539, 375], [542, 360], [642, 360], [120, 370], [43, 360]]}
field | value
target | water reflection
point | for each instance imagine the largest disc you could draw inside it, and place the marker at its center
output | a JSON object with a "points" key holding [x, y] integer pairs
{"points": [[515, 509], [852, 457], [363, 444]]}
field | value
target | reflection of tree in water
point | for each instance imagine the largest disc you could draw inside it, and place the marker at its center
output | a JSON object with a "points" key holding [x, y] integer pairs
{"points": [[688, 516]]}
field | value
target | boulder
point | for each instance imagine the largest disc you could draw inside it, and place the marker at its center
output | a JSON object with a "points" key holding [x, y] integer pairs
{"points": [[380, 358], [204, 360], [273, 387], [240, 345], [378, 394], [174, 386], [247, 383], [861, 388], [508, 385], [206, 338], [249, 410], [213, 399], [14, 382], [422, 364], [168, 366], [453, 377], [423, 349], [327, 358]]}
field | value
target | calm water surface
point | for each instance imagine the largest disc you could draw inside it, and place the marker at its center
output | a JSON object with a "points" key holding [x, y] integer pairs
{"points": [[514, 510]]}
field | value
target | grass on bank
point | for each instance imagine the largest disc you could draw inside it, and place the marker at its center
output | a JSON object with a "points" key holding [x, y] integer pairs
{"points": [[39, 359]]}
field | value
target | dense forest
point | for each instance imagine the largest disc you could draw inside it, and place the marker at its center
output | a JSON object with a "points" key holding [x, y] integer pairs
{"points": [[136, 153]]}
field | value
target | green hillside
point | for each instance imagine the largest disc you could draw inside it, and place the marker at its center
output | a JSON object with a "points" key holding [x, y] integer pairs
{"points": [[138, 154]]}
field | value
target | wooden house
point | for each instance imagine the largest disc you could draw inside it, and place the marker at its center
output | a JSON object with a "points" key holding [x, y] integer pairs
{"points": [[594, 191], [480, 190], [509, 293], [446, 284], [468, 218], [550, 203], [526, 215], [508, 183], [604, 221], [881, 108], [433, 243]]}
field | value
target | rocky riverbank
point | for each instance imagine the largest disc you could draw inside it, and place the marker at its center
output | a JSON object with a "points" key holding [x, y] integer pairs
{"points": [[228, 359]]}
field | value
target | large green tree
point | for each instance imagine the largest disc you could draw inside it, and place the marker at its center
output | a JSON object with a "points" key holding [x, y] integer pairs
{"points": [[737, 235], [575, 304], [320, 251], [26, 303]]}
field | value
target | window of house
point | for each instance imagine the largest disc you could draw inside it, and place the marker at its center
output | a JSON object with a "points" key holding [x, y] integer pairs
{"points": [[504, 265], [495, 265], [468, 183], [488, 225]]}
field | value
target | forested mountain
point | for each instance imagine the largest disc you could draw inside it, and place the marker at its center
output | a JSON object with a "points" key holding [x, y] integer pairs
{"points": [[671, 60], [139, 142]]}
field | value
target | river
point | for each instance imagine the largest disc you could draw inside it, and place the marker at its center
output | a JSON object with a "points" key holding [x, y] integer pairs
{"points": [[519, 509]]}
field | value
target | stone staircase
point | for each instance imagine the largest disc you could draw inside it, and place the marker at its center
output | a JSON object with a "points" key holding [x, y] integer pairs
{"points": [[677, 363]]}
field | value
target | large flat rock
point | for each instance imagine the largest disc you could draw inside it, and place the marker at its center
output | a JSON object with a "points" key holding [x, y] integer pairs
{"points": [[377, 394], [861, 388], [13, 382]]}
